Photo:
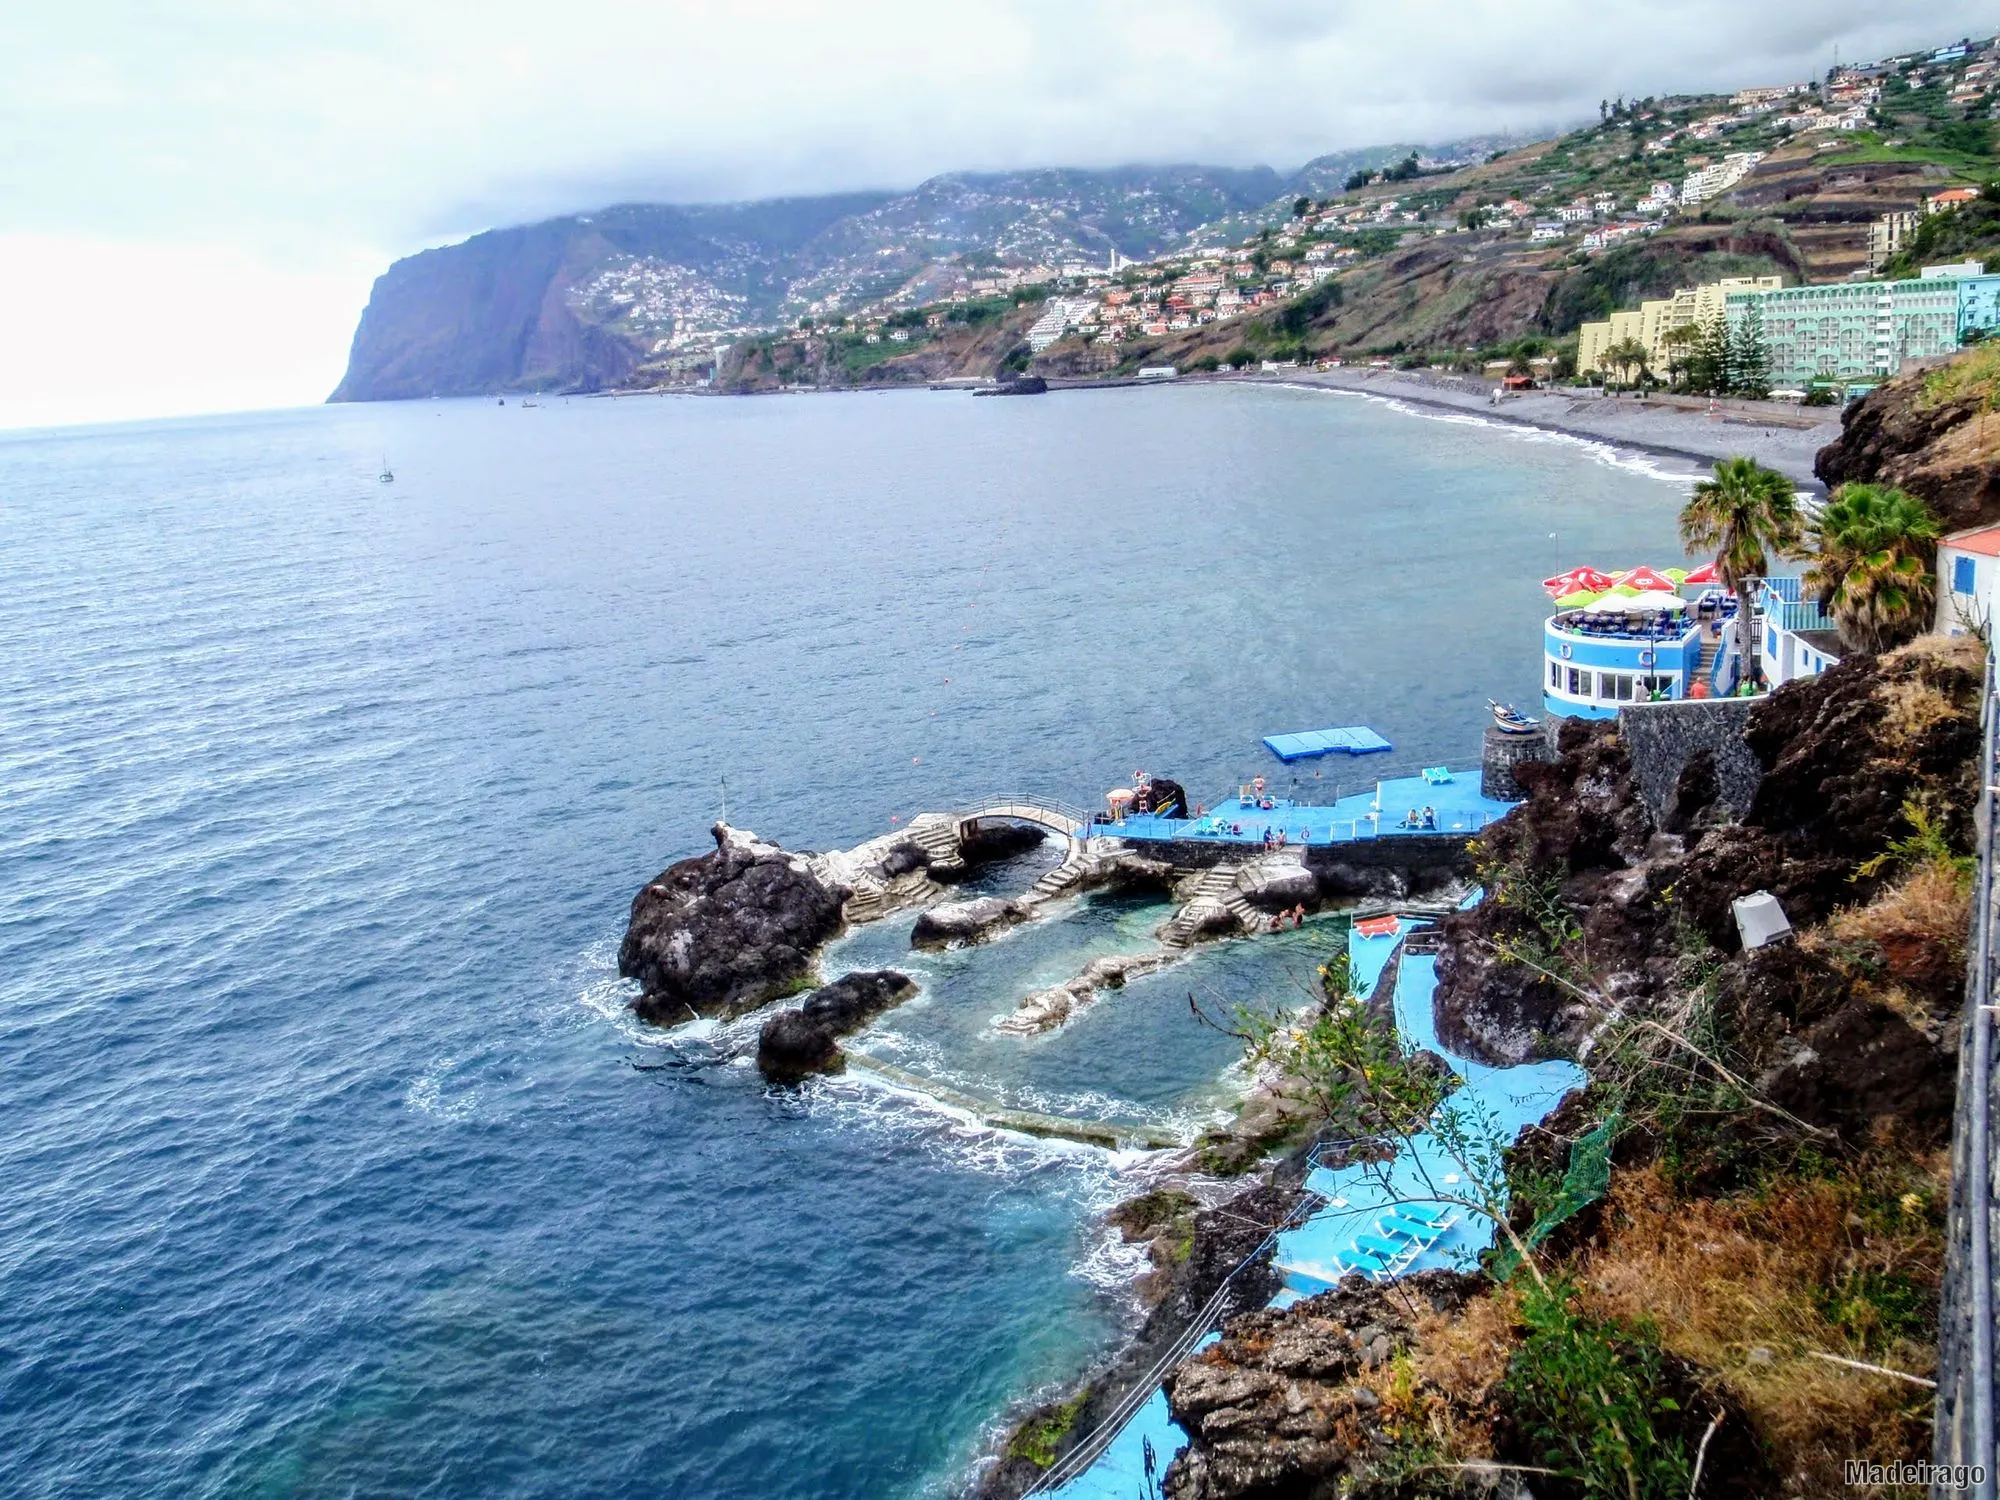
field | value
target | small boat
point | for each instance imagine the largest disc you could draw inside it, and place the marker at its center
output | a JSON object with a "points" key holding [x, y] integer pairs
{"points": [[1511, 720], [386, 476], [526, 404]]}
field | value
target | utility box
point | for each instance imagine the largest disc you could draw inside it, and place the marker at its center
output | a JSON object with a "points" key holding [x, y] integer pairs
{"points": [[1760, 920]]}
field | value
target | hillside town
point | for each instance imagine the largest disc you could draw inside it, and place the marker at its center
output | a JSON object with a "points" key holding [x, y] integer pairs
{"points": [[1843, 315]]}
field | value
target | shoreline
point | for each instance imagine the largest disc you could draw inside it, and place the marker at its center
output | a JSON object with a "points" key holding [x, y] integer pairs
{"points": [[1777, 435], [1682, 430]]}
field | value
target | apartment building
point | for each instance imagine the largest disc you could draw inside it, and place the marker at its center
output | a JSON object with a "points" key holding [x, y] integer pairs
{"points": [[1719, 177], [1866, 331], [1651, 322]]}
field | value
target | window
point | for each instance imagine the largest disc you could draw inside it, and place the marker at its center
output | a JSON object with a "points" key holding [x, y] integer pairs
{"points": [[1961, 575], [1555, 675], [1579, 683], [1614, 687]]}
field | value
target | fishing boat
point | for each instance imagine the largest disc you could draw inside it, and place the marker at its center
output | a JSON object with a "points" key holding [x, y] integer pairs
{"points": [[1511, 720]]}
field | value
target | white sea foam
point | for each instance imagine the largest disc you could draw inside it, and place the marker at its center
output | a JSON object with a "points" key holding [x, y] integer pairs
{"points": [[431, 1092]]}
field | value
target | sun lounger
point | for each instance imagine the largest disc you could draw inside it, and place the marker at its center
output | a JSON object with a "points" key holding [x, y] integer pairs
{"points": [[1437, 775], [1397, 1255], [1437, 1215], [1415, 1229], [1369, 1263]]}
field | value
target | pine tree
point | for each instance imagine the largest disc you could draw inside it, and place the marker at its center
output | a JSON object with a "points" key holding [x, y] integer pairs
{"points": [[1749, 359], [1708, 358]]}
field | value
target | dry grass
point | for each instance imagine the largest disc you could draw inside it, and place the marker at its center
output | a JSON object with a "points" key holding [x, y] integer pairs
{"points": [[1748, 1287], [1975, 373], [1918, 927], [1911, 709], [1440, 1391]]}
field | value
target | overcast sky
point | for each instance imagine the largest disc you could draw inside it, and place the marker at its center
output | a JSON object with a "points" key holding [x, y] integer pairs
{"points": [[194, 197]]}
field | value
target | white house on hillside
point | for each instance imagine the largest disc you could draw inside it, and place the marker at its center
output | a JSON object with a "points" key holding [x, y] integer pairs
{"points": [[1968, 566]]}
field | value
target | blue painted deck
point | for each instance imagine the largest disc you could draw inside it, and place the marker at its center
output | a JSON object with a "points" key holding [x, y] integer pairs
{"points": [[1312, 1254], [1354, 739], [1316, 1254], [1120, 1470], [1382, 813]]}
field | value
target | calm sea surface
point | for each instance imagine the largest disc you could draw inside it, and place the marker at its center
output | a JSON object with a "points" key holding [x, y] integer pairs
{"points": [[331, 1163]]}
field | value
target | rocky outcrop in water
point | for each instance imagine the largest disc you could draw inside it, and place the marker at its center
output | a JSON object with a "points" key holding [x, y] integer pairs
{"points": [[805, 1040], [726, 932], [958, 924], [1047, 1009]]}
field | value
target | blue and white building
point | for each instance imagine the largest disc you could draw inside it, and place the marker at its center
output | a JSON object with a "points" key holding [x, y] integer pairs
{"points": [[1794, 636], [1594, 664]]}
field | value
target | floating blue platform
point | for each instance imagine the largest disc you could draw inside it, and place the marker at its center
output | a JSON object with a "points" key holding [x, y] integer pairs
{"points": [[1355, 739]]}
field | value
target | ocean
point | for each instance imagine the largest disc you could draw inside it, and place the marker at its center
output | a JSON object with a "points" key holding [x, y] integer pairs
{"points": [[333, 1163]]}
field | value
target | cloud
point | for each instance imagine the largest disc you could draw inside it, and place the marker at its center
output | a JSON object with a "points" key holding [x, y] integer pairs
{"points": [[309, 139]]}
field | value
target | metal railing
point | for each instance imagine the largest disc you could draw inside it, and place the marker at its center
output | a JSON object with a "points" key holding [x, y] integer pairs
{"points": [[1964, 1432], [1092, 1448], [1074, 820], [1343, 831]]}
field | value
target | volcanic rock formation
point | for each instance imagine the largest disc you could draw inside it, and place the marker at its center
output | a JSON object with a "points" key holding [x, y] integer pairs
{"points": [[726, 932]]}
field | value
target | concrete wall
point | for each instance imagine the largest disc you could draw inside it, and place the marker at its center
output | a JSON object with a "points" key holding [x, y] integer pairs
{"points": [[1664, 737]]}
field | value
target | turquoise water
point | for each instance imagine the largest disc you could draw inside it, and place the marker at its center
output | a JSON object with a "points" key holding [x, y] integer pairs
{"points": [[1318, 1252], [333, 1162]]}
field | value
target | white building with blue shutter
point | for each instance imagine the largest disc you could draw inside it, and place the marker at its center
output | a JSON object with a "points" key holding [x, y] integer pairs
{"points": [[1968, 566]]}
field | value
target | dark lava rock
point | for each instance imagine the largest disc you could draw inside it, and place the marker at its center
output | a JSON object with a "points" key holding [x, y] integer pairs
{"points": [[985, 843], [805, 1040], [958, 923], [792, 1045], [1162, 798], [1892, 436], [726, 932], [1020, 385], [1272, 1408], [1209, 1263]]}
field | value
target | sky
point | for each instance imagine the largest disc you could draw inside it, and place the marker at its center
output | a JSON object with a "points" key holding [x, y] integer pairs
{"points": [[195, 197]]}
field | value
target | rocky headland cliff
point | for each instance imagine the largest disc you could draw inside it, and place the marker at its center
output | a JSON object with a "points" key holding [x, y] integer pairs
{"points": [[1779, 1184], [1930, 431]]}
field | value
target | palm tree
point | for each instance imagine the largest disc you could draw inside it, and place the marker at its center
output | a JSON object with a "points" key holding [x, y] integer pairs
{"points": [[1746, 513], [1625, 356], [1874, 546]]}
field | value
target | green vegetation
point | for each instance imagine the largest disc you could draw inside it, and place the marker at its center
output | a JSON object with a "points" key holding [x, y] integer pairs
{"points": [[1973, 376], [1746, 512], [1969, 232], [1039, 1439], [1297, 316], [1873, 547], [1590, 1396]]}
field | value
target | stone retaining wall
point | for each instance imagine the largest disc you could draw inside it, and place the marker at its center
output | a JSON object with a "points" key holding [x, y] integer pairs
{"points": [[1664, 737]]}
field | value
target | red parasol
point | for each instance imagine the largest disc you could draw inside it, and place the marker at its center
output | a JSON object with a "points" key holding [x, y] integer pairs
{"points": [[1704, 574], [1646, 580], [1574, 580]]}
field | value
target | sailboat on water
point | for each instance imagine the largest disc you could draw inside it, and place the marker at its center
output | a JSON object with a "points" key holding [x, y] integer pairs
{"points": [[386, 476]]}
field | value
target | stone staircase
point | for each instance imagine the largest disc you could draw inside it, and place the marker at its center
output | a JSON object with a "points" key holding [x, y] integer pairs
{"points": [[1055, 883], [1710, 649], [938, 838], [1215, 887]]}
